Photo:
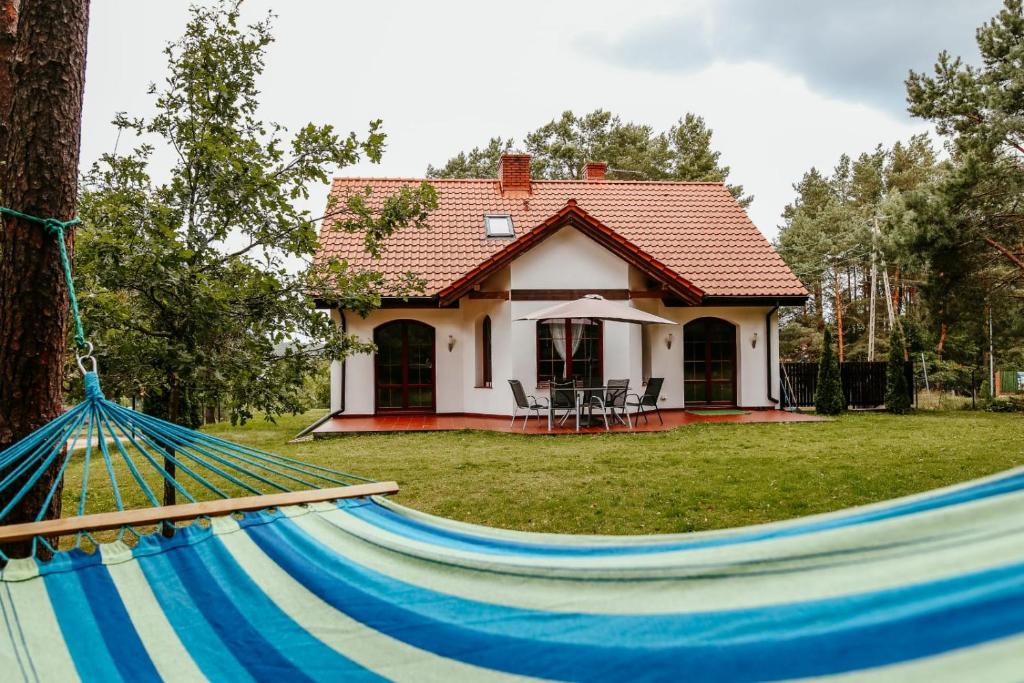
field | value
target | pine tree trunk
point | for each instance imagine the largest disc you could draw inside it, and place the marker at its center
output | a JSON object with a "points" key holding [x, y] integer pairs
{"points": [[840, 342], [819, 304], [42, 77]]}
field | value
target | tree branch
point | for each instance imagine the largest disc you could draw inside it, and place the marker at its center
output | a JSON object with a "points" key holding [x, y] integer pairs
{"points": [[1016, 260]]}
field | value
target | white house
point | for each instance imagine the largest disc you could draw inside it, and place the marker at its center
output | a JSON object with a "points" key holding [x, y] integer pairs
{"points": [[497, 249]]}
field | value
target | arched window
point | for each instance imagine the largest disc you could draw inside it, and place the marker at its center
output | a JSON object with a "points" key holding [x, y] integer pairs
{"points": [[485, 350], [570, 348]]}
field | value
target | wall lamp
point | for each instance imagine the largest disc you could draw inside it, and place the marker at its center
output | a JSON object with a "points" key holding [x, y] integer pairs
{"points": [[668, 340], [753, 341], [451, 343]]}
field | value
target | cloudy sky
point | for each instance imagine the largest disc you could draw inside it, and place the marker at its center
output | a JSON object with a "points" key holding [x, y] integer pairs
{"points": [[786, 85]]}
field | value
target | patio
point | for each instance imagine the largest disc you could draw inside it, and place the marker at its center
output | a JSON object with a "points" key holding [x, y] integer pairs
{"points": [[341, 425]]}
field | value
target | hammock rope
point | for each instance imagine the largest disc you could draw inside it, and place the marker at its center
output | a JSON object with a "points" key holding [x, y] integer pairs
{"points": [[57, 229], [136, 450]]}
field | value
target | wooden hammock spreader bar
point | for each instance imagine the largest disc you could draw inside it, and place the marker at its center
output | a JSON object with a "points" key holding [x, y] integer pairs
{"points": [[175, 513]]}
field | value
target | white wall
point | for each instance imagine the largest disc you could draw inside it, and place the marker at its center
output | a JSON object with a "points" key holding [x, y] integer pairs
{"points": [[751, 361], [567, 260]]}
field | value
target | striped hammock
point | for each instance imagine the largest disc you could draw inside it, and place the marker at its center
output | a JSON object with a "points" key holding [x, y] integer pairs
{"points": [[926, 588]]}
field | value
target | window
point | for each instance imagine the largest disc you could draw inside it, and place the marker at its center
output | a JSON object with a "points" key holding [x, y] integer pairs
{"points": [[570, 349], [499, 225], [485, 352]]}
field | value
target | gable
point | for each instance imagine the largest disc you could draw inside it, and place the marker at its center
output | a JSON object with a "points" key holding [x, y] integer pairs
{"points": [[572, 215], [569, 260]]}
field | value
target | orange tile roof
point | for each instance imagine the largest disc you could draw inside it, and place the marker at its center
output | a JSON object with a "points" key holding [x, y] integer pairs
{"points": [[695, 228]]}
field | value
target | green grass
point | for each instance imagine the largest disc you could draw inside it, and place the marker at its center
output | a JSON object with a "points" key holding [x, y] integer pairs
{"points": [[693, 478]]}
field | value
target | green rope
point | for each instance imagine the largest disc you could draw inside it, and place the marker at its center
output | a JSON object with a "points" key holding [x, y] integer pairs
{"points": [[56, 228]]}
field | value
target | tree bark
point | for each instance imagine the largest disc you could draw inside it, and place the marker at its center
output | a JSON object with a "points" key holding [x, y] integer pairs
{"points": [[9, 10], [42, 78], [839, 321]]}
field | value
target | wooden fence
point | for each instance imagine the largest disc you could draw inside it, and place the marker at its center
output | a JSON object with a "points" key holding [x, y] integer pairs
{"points": [[863, 383]]}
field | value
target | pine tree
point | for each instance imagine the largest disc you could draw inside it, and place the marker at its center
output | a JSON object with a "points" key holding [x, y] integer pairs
{"points": [[828, 397], [897, 393]]}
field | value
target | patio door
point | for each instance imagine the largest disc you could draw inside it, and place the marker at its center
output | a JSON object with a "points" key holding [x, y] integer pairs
{"points": [[709, 362], [404, 367]]}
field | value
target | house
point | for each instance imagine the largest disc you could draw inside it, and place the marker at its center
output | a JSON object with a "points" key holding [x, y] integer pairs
{"points": [[497, 249]]}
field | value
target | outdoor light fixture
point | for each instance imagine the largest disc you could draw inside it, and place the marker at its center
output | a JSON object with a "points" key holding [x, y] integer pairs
{"points": [[668, 340], [451, 343], [753, 341]]}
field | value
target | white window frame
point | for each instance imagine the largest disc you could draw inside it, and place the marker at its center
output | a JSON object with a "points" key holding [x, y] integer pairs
{"points": [[487, 225]]}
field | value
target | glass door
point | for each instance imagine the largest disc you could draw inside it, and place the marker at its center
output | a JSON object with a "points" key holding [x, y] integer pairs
{"points": [[709, 362], [404, 367]]}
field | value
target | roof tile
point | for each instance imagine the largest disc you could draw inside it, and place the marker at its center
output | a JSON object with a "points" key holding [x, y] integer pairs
{"points": [[697, 229]]}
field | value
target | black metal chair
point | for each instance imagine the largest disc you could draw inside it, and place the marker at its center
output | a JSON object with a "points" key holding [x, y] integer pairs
{"points": [[649, 399], [595, 398], [615, 394], [524, 401], [563, 397]]}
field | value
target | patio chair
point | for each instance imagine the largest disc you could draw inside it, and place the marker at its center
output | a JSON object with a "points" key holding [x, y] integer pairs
{"points": [[563, 397], [524, 401], [615, 400], [596, 398], [649, 399]]}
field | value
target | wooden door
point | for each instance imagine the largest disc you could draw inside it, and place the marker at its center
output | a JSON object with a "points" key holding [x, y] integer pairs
{"points": [[709, 362], [404, 367]]}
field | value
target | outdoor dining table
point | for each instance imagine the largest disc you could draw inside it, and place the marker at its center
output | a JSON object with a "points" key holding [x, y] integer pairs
{"points": [[581, 392]]}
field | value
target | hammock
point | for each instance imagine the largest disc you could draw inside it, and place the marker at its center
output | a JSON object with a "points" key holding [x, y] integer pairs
{"points": [[929, 587]]}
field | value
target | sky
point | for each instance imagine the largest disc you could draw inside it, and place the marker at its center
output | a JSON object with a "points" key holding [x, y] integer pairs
{"points": [[785, 85]]}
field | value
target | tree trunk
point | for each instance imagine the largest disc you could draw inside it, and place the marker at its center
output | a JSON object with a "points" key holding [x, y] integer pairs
{"points": [[819, 304], [170, 493], [943, 331], [9, 10], [839, 321], [42, 77]]}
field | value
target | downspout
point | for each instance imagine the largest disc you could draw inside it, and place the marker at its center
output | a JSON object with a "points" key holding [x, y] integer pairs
{"points": [[768, 351], [344, 329]]}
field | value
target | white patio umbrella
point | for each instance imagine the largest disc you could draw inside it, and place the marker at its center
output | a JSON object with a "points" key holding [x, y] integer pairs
{"points": [[596, 307]]}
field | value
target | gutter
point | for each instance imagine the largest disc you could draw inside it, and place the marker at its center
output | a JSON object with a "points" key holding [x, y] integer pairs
{"points": [[768, 350]]}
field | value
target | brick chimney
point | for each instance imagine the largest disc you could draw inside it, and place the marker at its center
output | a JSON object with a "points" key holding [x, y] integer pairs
{"points": [[595, 170], [514, 174]]}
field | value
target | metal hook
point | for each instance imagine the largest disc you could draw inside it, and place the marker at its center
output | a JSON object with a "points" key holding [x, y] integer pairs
{"points": [[87, 357]]}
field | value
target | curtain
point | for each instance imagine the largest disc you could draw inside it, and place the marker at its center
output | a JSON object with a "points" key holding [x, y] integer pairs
{"points": [[577, 334], [557, 328]]}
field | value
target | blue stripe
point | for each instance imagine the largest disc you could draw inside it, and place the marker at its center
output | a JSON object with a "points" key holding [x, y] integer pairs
{"points": [[783, 641], [131, 657], [198, 637], [241, 613], [415, 529], [99, 635]]}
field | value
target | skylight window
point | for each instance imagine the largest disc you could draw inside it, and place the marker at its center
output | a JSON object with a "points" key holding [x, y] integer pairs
{"points": [[499, 225]]}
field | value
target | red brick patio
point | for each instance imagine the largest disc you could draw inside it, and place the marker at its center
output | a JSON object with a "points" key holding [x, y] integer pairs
{"points": [[440, 423]]}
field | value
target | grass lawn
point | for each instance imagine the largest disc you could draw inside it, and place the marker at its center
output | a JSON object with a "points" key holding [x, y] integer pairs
{"points": [[693, 478]]}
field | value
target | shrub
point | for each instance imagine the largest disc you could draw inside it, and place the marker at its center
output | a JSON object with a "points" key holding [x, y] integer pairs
{"points": [[1005, 404], [828, 396], [897, 393]]}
